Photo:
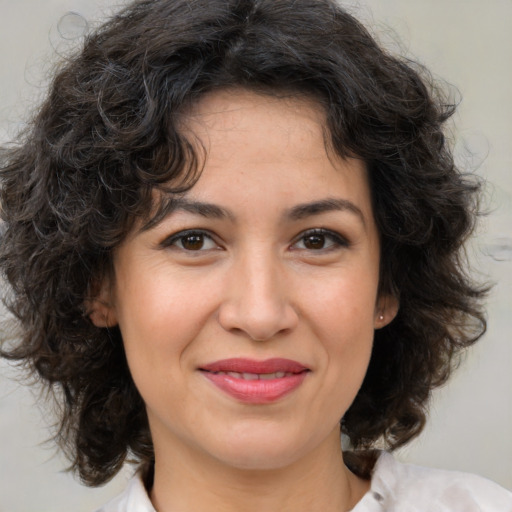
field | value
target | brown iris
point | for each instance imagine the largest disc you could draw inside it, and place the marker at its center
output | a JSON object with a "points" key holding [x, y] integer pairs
{"points": [[315, 241], [193, 242]]}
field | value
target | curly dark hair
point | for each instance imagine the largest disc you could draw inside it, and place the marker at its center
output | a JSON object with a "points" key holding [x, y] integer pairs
{"points": [[108, 135]]}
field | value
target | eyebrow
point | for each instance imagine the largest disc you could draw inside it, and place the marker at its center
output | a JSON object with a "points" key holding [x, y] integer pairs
{"points": [[298, 212], [329, 204], [208, 210]]}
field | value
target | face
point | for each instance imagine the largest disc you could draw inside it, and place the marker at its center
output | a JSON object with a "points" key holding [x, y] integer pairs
{"points": [[248, 313]]}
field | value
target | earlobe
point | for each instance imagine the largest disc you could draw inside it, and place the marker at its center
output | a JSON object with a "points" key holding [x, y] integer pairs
{"points": [[386, 311], [102, 315], [100, 309]]}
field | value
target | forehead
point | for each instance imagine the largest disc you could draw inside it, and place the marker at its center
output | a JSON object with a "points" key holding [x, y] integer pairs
{"points": [[278, 141], [225, 106], [265, 119]]}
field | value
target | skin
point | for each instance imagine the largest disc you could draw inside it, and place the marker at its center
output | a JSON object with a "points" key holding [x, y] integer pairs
{"points": [[253, 281]]}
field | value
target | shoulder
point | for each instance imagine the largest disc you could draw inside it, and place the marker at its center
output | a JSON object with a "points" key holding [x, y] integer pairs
{"points": [[133, 499], [406, 487]]}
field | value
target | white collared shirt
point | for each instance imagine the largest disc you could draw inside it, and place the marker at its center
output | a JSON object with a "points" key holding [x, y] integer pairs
{"points": [[395, 487]]}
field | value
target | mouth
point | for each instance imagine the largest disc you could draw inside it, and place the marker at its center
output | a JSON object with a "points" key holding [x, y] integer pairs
{"points": [[256, 376], [255, 382]]}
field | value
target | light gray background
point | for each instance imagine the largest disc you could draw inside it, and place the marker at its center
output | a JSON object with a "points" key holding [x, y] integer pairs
{"points": [[467, 42]]}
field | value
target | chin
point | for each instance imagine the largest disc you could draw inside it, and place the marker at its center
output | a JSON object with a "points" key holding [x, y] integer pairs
{"points": [[267, 450], [260, 459]]}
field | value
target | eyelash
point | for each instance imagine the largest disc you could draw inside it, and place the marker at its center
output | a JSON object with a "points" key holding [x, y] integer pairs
{"points": [[336, 240], [181, 235]]}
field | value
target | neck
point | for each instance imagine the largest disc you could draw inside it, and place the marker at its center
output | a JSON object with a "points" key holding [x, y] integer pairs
{"points": [[319, 481]]}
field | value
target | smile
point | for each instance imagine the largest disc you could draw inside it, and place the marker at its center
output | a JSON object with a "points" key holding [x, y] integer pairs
{"points": [[256, 382]]}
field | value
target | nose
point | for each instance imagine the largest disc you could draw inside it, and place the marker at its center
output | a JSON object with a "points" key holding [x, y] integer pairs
{"points": [[258, 299]]}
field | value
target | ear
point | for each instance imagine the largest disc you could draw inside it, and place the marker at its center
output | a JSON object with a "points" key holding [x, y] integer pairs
{"points": [[100, 308], [386, 310]]}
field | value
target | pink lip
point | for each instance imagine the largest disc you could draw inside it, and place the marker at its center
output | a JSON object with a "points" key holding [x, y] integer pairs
{"points": [[258, 391]]}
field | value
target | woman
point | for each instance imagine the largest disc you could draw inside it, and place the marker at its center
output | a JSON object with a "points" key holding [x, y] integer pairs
{"points": [[232, 226]]}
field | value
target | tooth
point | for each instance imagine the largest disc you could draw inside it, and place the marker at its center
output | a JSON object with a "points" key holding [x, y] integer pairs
{"points": [[267, 376], [280, 375], [236, 375], [250, 376]]}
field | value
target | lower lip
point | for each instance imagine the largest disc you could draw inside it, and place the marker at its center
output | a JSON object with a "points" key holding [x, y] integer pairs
{"points": [[256, 391]]}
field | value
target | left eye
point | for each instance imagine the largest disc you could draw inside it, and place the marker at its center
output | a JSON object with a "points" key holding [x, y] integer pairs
{"points": [[319, 239], [191, 241]]}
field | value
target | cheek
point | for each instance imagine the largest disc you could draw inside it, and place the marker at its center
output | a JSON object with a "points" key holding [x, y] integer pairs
{"points": [[159, 316], [344, 303], [342, 315]]}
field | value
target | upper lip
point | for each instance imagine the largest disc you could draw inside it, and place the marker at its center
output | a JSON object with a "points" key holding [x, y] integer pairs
{"points": [[243, 365]]}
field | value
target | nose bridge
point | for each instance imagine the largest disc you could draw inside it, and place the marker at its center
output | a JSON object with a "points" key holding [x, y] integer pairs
{"points": [[258, 301], [262, 277]]}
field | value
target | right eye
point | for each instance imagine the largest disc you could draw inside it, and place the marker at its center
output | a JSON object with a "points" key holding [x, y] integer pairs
{"points": [[191, 241]]}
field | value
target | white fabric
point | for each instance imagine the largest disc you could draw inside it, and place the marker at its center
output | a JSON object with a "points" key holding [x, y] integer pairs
{"points": [[395, 487], [133, 499], [398, 487]]}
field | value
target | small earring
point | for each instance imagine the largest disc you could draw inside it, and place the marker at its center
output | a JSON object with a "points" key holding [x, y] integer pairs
{"points": [[381, 317]]}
